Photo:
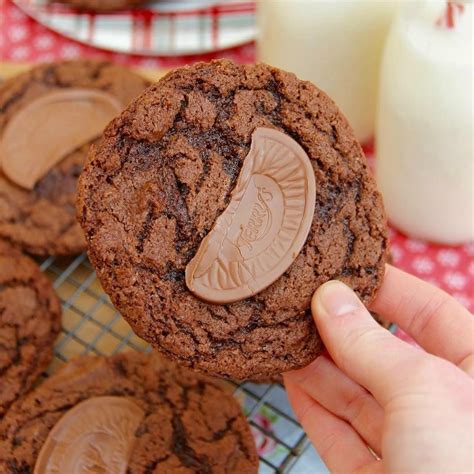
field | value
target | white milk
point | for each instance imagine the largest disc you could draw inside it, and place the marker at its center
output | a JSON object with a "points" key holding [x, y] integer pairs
{"points": [[336, 44], [424, 135]]}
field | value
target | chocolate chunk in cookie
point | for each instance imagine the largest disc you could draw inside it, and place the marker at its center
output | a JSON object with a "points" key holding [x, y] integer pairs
{"points": [[48, 118], [30, 321], [169, 223], [133, 413]]}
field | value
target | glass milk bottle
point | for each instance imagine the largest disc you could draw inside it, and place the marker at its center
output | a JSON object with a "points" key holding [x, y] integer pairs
{"points": [[336, 44], [424, 137]]}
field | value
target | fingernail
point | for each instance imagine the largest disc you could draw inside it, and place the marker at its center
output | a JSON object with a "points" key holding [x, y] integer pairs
{"points": [[334, 298]]}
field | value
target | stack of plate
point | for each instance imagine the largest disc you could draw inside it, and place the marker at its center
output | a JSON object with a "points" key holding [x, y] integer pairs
{"points": [[163, 28]]}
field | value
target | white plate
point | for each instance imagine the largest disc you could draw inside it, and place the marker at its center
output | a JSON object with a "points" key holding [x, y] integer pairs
{"points": [[163, 28]]}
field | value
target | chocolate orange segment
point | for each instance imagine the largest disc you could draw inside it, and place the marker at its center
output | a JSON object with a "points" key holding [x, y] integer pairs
{"points": [[97, 435], [49, 128], [265, 226]]}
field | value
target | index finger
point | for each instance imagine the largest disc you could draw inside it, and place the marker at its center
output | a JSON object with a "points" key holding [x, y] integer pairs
{"points": [[436, 321]]}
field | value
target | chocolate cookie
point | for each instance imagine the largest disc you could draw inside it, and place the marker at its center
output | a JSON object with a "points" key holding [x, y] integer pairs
{"points": [[130, 409], [195, 208], [30, 321], [46, 115], [103, 5]]}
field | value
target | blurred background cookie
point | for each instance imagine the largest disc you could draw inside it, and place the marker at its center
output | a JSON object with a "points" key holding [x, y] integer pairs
{"points": [[131, 413], [30, 321], [49, 116]]}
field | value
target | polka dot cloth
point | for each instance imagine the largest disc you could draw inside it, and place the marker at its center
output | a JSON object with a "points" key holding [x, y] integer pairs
{"points": [[24, 40], [450, 268]]}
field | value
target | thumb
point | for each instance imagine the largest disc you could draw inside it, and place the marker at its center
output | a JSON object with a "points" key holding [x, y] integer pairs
{"points": [[365, 351]]}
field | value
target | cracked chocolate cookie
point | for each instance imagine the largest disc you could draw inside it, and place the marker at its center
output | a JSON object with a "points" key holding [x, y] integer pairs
{"points": [[103, 5], [48, 118], [30, 321], [218, 202], [133, 413]]}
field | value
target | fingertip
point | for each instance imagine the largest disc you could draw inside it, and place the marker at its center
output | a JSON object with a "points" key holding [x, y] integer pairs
{"points": [[333, 299], [350, 334]]}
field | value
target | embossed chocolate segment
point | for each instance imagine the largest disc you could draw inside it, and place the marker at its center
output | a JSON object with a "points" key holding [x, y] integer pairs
{"points": [[261, 232], [96, 436], [49, 128]]}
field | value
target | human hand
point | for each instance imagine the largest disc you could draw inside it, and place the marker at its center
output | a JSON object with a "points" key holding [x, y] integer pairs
{"points": [[413, 408]]}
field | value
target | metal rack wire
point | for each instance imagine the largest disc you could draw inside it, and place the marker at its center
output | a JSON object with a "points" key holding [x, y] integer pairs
{"points": [[92, 325]]}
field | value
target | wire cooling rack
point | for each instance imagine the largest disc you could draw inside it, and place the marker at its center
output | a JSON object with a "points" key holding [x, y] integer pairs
{"points": [[91, 325]]}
